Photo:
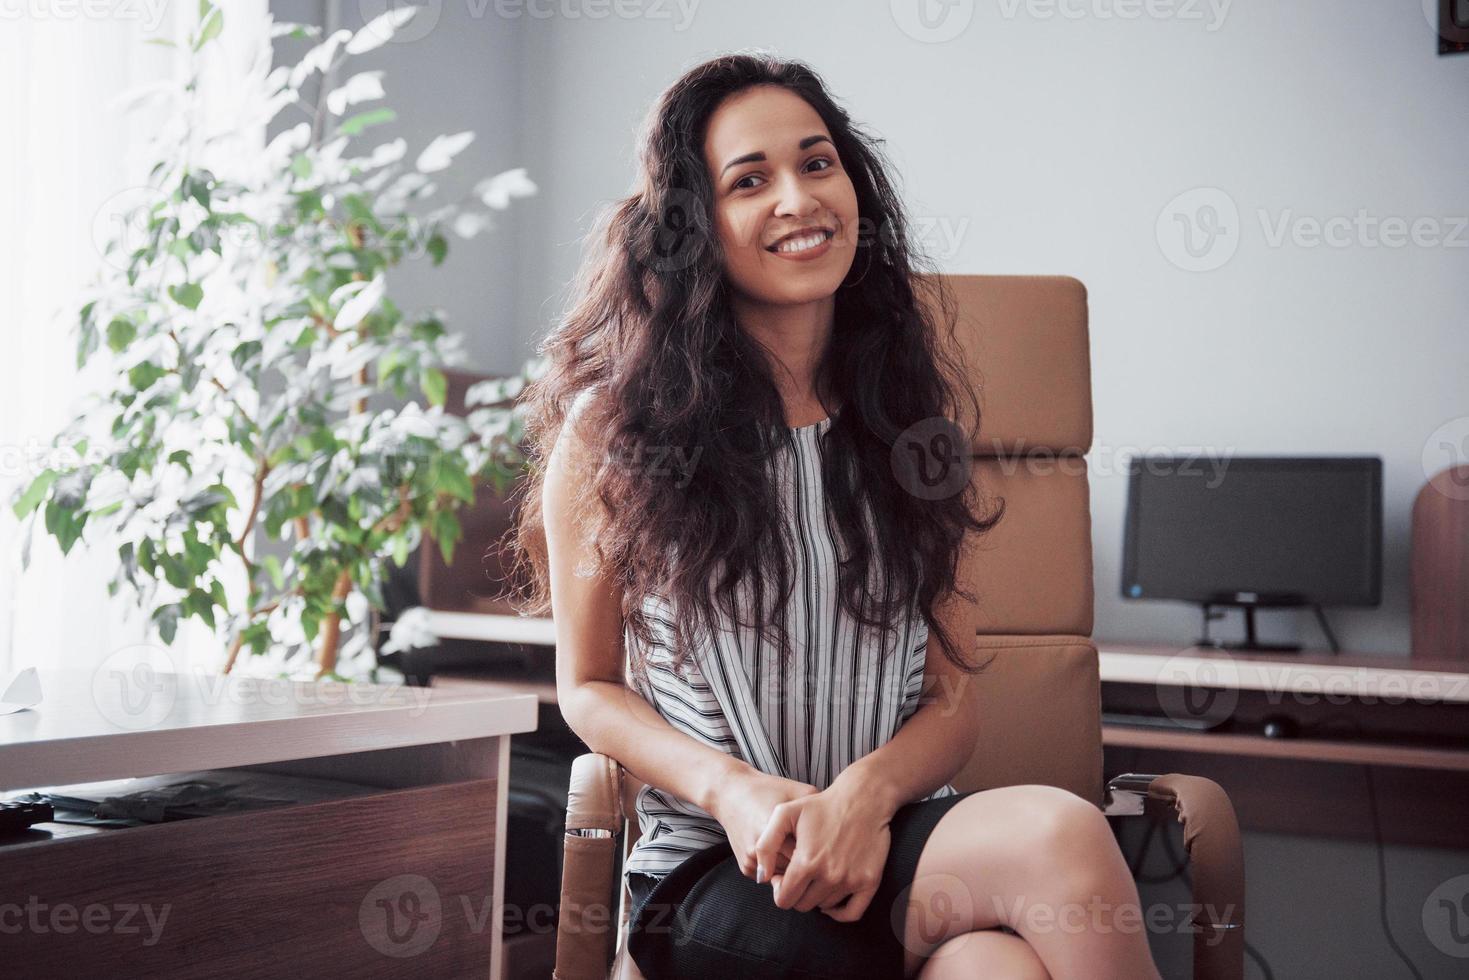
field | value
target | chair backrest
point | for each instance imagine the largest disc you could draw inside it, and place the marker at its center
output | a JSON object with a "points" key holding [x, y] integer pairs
{"points": [[1040, 699]]}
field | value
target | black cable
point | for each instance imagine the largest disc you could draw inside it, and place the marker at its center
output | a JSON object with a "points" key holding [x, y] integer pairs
{"points": [[1253, 953], [1180, 865], [1326, 628], [1392, 942]]}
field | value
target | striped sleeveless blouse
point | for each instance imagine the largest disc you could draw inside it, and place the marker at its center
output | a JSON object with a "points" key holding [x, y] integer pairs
{"points": [[840, 698]]}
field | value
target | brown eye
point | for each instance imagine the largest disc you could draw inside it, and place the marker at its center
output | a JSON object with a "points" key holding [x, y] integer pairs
{"points": [[737, 184]]}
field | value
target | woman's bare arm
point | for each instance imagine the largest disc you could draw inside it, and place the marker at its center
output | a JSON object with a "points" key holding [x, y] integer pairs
{"points": [[939, 738], [608, 716]]}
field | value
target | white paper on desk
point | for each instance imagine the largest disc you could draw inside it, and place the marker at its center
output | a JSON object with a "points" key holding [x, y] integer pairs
{"points": [[21, 693]]}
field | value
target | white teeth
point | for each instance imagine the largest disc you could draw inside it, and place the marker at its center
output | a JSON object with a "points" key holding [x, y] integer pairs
{"points": [[801, 244]]}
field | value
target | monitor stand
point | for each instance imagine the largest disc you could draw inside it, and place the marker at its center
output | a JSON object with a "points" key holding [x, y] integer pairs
{"points": [[1251, 642]]}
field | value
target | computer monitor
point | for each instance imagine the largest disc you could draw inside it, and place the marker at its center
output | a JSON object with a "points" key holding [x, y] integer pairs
{"points": [[1254, 531]]}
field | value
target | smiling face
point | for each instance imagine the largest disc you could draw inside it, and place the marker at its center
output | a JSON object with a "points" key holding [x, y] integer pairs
{"points": [[775, 171]]}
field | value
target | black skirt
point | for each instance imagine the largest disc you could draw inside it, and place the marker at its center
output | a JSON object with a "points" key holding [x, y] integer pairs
{"points": [[706, 919]]}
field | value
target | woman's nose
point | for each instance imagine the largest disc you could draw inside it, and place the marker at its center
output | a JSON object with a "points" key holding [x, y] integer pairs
{"points": [[795, 198]]}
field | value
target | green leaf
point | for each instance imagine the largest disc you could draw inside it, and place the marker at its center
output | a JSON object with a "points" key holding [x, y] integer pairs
{"points": [[64, 524], [120, 333], [34, 493], [438, 247], [373, 117], [212, 24], [203, 604], [141, 376], [435, 386], [189, 294], [86, 341], [400, 549], [257, 636], [273, 569], [167, 619], [454, 481], [301, 166]]}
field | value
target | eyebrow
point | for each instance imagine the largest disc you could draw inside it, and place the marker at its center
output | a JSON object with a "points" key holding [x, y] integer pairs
{"points": [[758, 155]]}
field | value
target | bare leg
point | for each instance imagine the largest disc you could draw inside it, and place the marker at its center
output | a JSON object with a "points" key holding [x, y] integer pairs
{"points": [[987, 953], [1042, 861]]}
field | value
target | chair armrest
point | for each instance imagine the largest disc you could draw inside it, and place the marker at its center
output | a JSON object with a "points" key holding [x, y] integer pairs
{"points": [[1216, 858], [586, 933]]}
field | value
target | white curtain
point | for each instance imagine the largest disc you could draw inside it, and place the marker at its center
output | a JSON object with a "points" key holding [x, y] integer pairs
{"points": [[65, 152]]}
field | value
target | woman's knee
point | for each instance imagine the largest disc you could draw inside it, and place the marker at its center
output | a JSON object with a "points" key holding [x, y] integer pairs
{"points": [[1062, 823], [986, 953]]}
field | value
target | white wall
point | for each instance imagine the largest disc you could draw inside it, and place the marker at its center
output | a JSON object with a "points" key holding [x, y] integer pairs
{"points": [[449, 69], [1052, 145]]}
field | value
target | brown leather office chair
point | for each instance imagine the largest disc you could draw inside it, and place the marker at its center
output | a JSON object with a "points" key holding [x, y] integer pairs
{"points": [[1041, 697]]}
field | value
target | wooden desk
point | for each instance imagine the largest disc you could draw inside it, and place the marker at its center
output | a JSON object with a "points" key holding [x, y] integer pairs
{"points": [[1403, 778], [1430, 698], [406, 874]]}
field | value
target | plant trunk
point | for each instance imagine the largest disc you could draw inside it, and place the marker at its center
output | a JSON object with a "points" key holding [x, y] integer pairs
{"points": [[331, 628]]}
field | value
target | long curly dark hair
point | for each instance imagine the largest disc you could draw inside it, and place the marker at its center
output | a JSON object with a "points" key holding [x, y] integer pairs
{"points": [[650, 356]]}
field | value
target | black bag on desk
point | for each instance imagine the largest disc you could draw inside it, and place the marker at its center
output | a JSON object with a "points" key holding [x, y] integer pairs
{"points": [[539, 779]]}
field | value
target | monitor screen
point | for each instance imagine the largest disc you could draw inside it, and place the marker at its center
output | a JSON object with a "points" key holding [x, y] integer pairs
{"points": [[1254, 530]]}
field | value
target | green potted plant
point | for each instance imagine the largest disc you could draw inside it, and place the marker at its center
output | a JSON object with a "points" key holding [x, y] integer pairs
{"points": [[246, 322]]}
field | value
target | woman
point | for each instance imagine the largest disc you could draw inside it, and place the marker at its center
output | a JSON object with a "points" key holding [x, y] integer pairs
{"points": [[722, 504]]}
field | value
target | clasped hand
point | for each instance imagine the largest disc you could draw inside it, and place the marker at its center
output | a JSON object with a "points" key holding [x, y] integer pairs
{"points": [[818, 849]]}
